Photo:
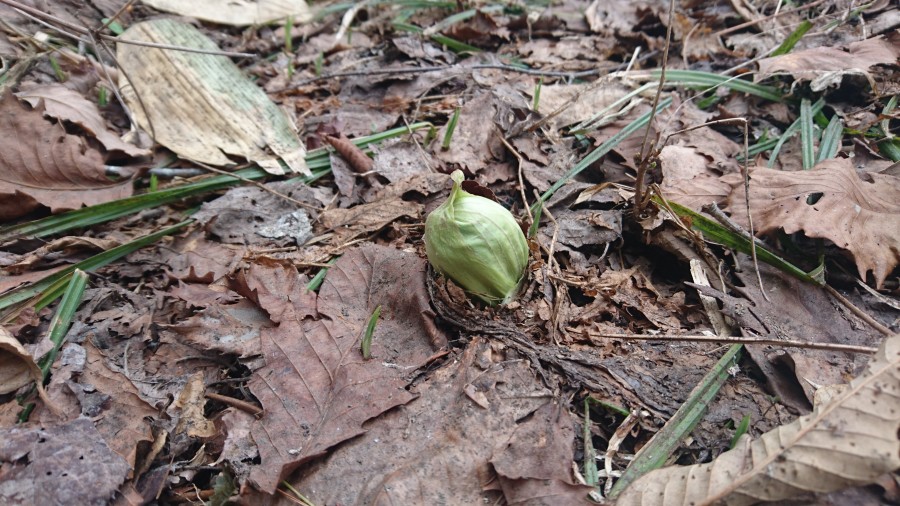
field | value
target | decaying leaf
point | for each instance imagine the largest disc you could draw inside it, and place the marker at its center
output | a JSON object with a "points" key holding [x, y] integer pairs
{"points": [[69, 105], [438, 448], [316, 388], [40, 164], [825, 65], [188, 410], [237, 13], [367, 218], [849, 441], [65, 464], [17, 367], [860, 216], [202, 106]]}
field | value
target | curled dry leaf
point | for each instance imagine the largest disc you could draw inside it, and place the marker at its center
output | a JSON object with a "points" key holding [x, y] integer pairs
{"points": [[849, 441], [202, 106], [825, 65], [69, 105], [17, 367], [862, 217], [40, 164]]}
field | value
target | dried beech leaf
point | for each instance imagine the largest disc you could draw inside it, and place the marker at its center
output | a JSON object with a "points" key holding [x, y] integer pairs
{"points": [[862, 217], [316, 388], [818, 62], [68, 105], [849, 441], [242, 13], [40, 164], [202, 106]]}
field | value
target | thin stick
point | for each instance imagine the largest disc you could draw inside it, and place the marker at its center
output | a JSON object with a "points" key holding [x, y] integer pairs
{"points": [[644, 156], [253, 409], [850, 348], [260, 186], [858, 312], [521, 180]]}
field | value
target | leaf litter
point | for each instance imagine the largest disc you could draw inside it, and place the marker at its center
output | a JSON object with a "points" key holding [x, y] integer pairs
{"points": [[226, 361]]}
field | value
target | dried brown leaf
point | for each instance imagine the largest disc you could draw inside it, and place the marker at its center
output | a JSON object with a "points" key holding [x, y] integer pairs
{"points": [[201, 106], [437, 449], [352, 154], [40, 164], [824, 64], [17, 367], [188, 410], [65, 464], [367, 218], [860, 216], [316, 388], [66, 104], [243, 13], [534, 467], [84, 384], [849, 441]]}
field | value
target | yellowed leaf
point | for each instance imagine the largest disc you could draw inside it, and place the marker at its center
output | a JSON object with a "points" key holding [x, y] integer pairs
{"points": [[860, 216], [850, 441], [202, 106], [236, 12], [188, 409]]}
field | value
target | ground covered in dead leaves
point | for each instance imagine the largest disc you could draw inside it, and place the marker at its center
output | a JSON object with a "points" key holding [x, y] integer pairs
{"points": [[224, 359]]}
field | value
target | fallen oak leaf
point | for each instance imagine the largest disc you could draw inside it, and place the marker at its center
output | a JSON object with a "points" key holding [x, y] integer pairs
{"points": [[860, 216]]}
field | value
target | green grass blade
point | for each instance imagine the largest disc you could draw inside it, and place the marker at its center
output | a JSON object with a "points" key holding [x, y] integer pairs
{"points": [[62, 319], [890, 149], [715, 232], [792, 39], [710, 80], [591, 473], [792, 130], [741, 429], [365, 346], [666, 441], [50, 287], [451, 127], [602, 150], [807, 135], [59, 327], [452, 44], [831, 139], [317, 280]]}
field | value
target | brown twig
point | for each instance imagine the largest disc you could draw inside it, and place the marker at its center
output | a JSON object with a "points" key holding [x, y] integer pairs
{"points": [[258, 185], [248, 407], [859, 312], [639, 197], [850, 348]]}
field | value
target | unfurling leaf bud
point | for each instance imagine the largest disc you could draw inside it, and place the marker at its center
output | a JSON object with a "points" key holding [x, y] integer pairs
{"points": [[477, 243]]}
